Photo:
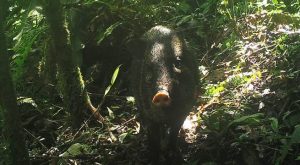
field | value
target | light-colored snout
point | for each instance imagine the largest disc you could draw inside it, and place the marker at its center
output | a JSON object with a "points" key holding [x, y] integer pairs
{"points": [[161, 99]]}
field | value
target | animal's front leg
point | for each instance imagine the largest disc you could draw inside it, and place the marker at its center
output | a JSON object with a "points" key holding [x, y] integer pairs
{"points": [[174, 155], [154, 137]]}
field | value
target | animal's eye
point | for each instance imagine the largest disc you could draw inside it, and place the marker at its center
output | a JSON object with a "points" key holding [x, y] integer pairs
{"points": [[178, 62], [177, 65]]}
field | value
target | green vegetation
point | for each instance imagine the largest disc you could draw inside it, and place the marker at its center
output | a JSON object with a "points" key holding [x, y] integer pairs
{"points": [[249, 61]]}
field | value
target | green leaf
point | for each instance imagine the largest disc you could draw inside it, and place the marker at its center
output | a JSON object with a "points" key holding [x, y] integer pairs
{"points": [[274, 124], [251, 119], [275, 2], [295, 137], [18, 38], [110, 113], [77, 149], [108, 32], [292, 118], [107, 90], [115, 75], [184, 20], [113, 79], [123, 136], [26, 100], [130, 99], [224, 2]]}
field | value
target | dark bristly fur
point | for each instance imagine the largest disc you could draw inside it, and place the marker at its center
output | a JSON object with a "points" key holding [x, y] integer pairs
{"points": [[162, 62]]}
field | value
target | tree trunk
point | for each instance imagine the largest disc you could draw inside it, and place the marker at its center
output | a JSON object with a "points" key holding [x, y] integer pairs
{"points": [[18, 153], [71, 83]]}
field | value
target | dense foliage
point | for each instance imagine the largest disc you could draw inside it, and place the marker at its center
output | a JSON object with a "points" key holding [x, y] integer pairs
{"points": [[248, 56]]}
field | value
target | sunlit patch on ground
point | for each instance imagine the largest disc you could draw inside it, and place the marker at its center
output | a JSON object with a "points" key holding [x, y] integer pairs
{"points": [[189, 128]]}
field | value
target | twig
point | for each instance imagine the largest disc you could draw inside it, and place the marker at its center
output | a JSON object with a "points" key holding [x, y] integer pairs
{"points": [[36, 139], [83, 156]]}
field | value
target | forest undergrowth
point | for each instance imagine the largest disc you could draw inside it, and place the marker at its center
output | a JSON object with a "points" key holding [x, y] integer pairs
{"points": [[247, 109]]}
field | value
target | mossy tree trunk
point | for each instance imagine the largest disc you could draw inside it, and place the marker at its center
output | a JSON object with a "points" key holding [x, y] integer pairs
{"points": [[18, 154], [70, 81]]}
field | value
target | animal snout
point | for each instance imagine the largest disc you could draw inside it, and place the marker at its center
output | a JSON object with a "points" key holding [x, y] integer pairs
{"points": [[161, 99]]}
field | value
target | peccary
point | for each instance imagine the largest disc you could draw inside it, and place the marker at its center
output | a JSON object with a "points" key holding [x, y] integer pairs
{"points": [[165, 77]]}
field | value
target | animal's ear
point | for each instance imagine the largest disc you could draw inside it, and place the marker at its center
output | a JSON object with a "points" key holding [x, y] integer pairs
{"points": [[137, 48]]}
